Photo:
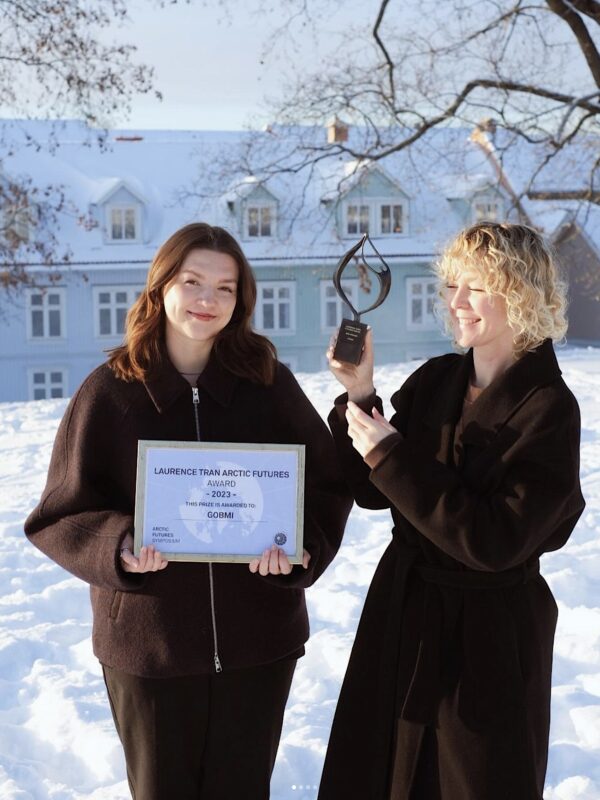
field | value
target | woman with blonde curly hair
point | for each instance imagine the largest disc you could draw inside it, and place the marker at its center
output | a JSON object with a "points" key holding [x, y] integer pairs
{"points": [[447, 692]]}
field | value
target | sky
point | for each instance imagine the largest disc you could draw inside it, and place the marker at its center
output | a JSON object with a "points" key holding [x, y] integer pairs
{"points": [[214, 66], [210, 59], [216, 61]]}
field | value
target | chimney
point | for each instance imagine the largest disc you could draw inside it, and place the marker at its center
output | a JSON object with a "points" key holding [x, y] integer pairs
{"points": [[487, 125], [480, 135], [337, 131]]}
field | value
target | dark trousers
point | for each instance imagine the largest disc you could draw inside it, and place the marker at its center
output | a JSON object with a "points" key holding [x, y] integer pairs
{"points": [[202, 737]]}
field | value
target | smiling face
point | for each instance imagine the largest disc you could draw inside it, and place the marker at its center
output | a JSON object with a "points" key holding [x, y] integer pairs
{"points": [[199, 301], [479, 319]]}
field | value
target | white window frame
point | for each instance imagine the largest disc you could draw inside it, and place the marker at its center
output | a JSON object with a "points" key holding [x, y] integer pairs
{"points": [[374, 204], [487, 200], [45, 308], [132, 292], [379, 217], [260, 204], [110, 207], [359, 204], [342, 310], [429, 322], [47, 385], [259, 315]]}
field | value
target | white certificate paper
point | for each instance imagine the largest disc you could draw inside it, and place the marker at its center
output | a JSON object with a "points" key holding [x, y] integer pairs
{"points": [[212, 501]]}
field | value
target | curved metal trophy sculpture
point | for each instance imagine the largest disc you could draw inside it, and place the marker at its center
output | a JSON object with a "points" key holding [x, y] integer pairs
{"points": [[351, 335]]}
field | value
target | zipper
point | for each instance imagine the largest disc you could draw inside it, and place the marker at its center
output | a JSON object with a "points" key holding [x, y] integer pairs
{"points": [[196, 401], [217, 660], [211, 580]]}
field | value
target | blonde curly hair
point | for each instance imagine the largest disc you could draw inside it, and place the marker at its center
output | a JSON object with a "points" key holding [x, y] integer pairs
{"points": [[515, 263]]}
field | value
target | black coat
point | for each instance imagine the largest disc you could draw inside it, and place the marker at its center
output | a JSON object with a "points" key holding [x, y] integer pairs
{"points": [[159, 624], [458, 625]]}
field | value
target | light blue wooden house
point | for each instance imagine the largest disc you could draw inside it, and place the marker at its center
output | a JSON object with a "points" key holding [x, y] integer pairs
{"points": [[124, 201]]}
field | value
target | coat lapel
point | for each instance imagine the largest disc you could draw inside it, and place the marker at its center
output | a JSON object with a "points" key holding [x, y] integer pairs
{"points": [[504, 396], [496, 404], [444, 409]]}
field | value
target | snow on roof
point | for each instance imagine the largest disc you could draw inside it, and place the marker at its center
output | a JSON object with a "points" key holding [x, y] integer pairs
{"points": [[588, 220], [185, 176]]}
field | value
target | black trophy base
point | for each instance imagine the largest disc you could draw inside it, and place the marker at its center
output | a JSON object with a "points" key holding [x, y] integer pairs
{"points": [[350, 341]]}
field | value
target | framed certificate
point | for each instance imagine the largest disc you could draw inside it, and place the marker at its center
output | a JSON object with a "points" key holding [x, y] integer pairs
{"points": [[212, 501]]}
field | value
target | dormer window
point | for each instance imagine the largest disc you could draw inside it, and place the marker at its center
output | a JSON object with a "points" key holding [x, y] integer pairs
{"points": [[121, 211], [376, 217], [357, 218], [260, 220], [487, 208], [123, 223]]}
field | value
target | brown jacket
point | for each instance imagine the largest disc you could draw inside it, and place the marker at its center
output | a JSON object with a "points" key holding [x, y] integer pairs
{"points": [[159, 624], [457, 618]]}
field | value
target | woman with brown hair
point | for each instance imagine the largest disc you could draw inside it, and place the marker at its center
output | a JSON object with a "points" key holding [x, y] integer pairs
{"points": [[447, 693], [197, 658]]}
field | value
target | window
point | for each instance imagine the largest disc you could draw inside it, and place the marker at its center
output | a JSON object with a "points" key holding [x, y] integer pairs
{"points": [[421, 294], [333, 308], [391, 218], [123, 223], [111, 304], [45, 384], [357, 219], [260, 220], [46, 314], [276, 307], [376, 217], [487, 209]]}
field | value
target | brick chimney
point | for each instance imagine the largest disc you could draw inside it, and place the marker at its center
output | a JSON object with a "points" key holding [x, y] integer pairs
{"points": [[482, 135], [337, 131]]}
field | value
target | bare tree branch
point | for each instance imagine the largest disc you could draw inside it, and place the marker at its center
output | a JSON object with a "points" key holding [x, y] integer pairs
{"points": [[574, 21], [590, 8], [419, 65], [55, 62], [586, 195], [390, 64]]}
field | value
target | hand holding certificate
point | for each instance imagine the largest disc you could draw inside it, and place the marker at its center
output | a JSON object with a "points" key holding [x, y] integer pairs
{"points": [[207, 501]]}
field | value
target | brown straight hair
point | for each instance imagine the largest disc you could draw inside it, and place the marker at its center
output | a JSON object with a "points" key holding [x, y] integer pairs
{"points": [[237, 346]]}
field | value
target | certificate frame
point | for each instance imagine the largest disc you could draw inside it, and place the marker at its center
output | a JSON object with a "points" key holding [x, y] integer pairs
{"points": [[201, 457]]}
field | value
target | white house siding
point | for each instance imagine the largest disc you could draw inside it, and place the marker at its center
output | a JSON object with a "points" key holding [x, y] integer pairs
{"points": [[305, 349]]}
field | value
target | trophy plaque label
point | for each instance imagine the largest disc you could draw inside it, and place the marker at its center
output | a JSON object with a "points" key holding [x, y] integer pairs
{"points": [[350, 341]]}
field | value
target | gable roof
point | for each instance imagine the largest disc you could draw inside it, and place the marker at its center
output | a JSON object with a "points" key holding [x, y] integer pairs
{"points": [[107, 187], [348, 175]]}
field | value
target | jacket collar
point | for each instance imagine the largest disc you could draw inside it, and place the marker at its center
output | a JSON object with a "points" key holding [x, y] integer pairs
{"points": [[168, 385], [501, 399]]}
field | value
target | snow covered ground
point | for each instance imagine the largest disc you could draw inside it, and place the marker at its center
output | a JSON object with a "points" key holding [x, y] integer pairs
{"points": [[56, 735]]}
